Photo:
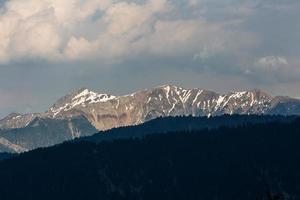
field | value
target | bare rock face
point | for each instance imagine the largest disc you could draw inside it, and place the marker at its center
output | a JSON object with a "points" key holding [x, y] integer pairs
{"points": [[16, 120], [104, 111]]}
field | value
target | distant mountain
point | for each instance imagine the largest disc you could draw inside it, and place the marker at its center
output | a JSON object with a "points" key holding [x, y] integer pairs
{"points": [[104, 111], [253, 161], [108, 111], [43, 132]]}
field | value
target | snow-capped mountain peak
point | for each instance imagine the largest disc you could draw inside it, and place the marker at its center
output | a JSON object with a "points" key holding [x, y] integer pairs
{"points": [[80, 98], [87, 96]]}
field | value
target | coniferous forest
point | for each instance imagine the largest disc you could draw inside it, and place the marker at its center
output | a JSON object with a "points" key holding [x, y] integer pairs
{"points": [[252, 161]]}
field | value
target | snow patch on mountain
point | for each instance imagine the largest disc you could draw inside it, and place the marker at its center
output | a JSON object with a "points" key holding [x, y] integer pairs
{"points": [[91, 97]]}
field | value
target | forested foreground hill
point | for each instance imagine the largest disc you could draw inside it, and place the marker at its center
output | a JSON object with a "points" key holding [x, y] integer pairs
{"points": [[184, 123], [249, 162]]}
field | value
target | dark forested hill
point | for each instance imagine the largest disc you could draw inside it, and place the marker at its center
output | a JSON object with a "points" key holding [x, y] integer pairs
{"points": [[248, 162], [4, 156], [175, 124]]}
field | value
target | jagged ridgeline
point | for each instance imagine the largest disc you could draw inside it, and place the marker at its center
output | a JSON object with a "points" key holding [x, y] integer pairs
{"points": [[251, 161], [99, 111]]}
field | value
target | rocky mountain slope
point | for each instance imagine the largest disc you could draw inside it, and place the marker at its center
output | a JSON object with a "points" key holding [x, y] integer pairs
{"points": [[105, 111], [44, 132]]}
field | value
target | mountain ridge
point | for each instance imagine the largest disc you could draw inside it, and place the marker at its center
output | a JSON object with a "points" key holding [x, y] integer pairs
{"points": [[105, 111], [164, 100], [167, 100]]}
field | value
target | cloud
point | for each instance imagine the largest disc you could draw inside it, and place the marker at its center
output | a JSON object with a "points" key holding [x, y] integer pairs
{"points": [[79, 47], [227, 37], [194, 2], [67, 30], [40, 29], [130, 18], [271, 63], [272, 69], [123, 24]]}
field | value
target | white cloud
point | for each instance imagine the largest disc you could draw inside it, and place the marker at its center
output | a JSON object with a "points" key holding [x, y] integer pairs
{"points": [[122, 25], [272, 69], [35, 38], [194, 2], [40, 28], [271, 62], [78, 48], [128, 18], [49, 28], [59, 30]]}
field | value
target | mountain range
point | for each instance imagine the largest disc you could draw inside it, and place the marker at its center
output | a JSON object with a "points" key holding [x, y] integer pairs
{"points": [[84, 112]]}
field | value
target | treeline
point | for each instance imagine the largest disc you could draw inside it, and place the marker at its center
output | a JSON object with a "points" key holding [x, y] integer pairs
{"points": [[4, 156], [249, 162], [185, 123]]}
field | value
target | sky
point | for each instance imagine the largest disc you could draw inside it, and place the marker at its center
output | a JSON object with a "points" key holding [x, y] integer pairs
{"points": [[51, 47]]}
